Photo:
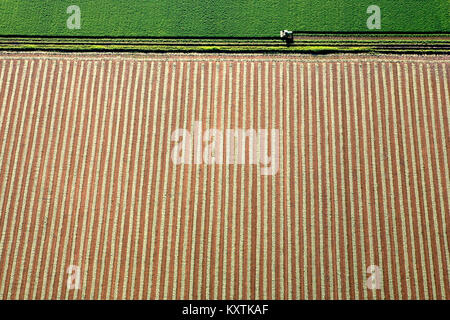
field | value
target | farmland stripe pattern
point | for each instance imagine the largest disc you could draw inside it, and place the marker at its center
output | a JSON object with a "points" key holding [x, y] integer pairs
{"points": [[87, 179]]}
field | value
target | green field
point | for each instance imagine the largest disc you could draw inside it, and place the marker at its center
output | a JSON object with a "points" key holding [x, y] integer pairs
{"points": [[217, 18]]}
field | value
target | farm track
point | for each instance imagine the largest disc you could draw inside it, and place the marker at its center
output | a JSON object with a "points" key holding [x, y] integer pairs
{"points": [[86, 177]]}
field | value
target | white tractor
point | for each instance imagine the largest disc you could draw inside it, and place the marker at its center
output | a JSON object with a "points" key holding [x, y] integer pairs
{"points": [[287, 36]]}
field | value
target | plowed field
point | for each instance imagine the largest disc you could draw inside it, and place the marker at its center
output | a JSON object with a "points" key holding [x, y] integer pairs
{"points": [[86, 177]]}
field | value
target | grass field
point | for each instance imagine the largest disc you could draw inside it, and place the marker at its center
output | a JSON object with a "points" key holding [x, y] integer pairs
{"points": [[219, 18]]}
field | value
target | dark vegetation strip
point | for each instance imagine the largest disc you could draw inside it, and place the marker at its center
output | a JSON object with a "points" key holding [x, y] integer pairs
{"points": [[306, 43]]}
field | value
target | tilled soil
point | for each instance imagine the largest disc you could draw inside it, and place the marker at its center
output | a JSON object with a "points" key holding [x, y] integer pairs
{"points": [[86, 177]]}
